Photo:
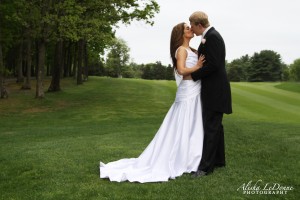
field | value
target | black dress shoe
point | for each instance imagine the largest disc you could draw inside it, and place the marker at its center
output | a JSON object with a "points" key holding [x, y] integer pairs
{"points": [[219, 165], [199, 173]]}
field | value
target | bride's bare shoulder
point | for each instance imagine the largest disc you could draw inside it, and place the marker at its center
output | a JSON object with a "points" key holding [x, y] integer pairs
{"points": [[181, 50]]}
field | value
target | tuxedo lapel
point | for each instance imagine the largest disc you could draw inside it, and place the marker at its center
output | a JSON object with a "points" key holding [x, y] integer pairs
{"points": [[201, 48], [209, 31]]}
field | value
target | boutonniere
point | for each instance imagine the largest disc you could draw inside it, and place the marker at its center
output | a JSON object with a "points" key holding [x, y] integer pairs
{"points": [[203, 40]]}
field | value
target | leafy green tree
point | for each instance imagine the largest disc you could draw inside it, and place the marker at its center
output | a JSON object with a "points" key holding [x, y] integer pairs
{"points": [[10, 28], [66, 16], [147, 72], [157, 71], [100, 17], [170, 73], [295, 70], [234, 72], [285, 76], [137, 69], [128, 72], [78, 26], [117, 58], [237, 69], [265, 66]]}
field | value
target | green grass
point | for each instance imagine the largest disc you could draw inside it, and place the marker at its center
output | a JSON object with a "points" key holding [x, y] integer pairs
{"points": [[51, 148], [290, 86]]}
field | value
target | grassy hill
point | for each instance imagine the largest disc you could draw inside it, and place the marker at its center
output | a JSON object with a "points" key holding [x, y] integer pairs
{"points": [[51, 148]]}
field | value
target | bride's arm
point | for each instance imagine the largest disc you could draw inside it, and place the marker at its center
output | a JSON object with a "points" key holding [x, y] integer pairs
{"points": [[181, 58]]}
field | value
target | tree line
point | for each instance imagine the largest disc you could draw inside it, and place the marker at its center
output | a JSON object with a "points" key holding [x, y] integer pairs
{"points": [[117, 64], [58, 38], [64, 38], [150, 71], [263, 66]]}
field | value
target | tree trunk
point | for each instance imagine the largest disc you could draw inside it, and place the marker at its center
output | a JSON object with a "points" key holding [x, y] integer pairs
{"points": [[68, 60], [1, 73], [64, 59], [1, 64], [48, 69], [75, 61], [40, 69], [27, 83], [56, 70], [20, 63], [80, 59], [86, 68]]}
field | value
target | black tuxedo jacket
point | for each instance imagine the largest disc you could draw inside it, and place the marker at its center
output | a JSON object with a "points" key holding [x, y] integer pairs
{"points": [[215, 89]]}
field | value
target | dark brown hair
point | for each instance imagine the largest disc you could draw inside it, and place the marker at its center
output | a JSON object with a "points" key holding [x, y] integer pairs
{"points": [[176, 41]]}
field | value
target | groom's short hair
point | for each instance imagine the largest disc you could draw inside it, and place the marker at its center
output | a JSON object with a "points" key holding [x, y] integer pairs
{"points": [[199, 17]]}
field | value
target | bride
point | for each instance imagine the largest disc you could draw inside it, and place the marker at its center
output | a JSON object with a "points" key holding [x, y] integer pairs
{"points": [[177, 146]]}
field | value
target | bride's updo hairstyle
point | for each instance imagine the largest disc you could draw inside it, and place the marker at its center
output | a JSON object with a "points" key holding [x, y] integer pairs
{"points": [[199, 17], [176, 41]]}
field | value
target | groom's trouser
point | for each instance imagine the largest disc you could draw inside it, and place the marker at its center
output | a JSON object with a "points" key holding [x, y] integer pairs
{"points": [[213, 153]]}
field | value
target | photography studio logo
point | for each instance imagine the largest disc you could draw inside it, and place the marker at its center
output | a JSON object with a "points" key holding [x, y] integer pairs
{"points": [[261, 188]]}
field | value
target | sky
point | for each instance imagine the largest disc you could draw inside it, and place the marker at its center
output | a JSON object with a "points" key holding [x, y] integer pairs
{"points": [[247, 26]]}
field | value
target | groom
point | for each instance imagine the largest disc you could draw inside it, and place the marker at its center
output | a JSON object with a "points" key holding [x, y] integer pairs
{"points": [[215, 93]]}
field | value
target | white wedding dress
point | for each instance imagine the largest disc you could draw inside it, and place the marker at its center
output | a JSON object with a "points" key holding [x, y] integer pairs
{"points": [[177, 146]]}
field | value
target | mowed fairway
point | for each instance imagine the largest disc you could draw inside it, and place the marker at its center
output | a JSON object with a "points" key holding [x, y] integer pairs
{"points": [[265, 102], [51, 148]]}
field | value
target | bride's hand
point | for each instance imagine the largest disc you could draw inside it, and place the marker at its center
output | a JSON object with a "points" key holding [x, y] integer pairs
{"points": [[201, 60]]}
